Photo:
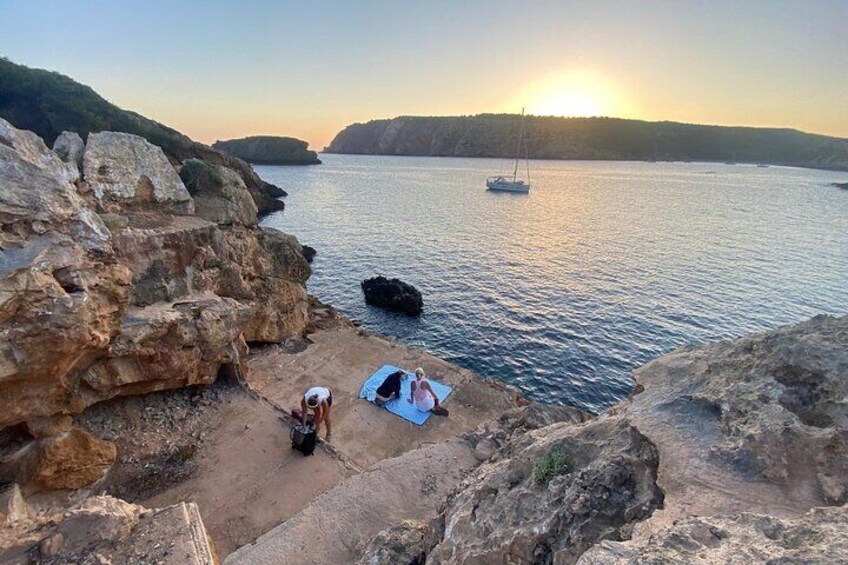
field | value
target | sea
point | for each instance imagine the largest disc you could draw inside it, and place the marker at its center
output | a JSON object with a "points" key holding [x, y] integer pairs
{"points": [[602, 267]]}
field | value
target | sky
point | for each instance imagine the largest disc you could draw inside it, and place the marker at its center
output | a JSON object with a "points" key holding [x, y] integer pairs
{"points": [[218, 70]]}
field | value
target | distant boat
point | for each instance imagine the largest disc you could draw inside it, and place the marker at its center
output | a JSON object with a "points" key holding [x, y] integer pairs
{"points": [[762, 166], [507, 184]]}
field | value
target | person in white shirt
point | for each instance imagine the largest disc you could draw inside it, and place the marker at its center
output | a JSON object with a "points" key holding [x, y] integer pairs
{"points": [[319, 399], [422, 395]]}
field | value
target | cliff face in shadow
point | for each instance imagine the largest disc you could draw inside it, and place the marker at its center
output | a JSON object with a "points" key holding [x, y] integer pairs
{"points": [[270, 150], [495, 135], [48, 103]]}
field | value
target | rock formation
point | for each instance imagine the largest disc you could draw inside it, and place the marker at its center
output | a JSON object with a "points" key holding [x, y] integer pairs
{"points": [[103, 529], [769, 408], [393, 294], [506, 514], [269, 150], [494, 135], [50, 104], [309, 253], [110, 285], [820, 536], [404, 544], [729, 452]]}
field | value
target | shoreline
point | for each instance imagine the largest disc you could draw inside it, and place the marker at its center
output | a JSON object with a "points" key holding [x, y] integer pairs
{"points": [[543, 160]]}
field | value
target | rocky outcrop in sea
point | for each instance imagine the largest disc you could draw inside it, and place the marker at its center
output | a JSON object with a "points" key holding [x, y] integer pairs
{"points": [[116, 279], [269, 150], [393, 294]]}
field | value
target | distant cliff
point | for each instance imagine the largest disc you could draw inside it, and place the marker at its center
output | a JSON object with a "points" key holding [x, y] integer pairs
{"points": [[269, 150], [49, 103], [495, 135]]}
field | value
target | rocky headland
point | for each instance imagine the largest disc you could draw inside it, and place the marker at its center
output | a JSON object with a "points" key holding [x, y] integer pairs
{"points": [[48, 104], [154, 339], [269, 150], [494, 135]]}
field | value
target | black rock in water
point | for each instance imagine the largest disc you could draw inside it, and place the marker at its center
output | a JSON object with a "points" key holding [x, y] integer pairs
{"points": [[309, 253], [393, 294]]}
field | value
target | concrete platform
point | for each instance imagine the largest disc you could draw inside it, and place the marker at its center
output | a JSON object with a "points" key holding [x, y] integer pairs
{"points": [[341, 359]]}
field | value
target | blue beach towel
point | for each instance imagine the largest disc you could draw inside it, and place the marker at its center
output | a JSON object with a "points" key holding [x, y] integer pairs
{"points": [[400, 406]]}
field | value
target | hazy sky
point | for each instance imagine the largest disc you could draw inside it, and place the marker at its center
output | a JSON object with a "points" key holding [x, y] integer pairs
{"points": [[216, 70]]}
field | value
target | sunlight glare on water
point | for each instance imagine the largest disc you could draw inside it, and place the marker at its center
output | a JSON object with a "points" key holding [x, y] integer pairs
{"points": [[601, 268]]}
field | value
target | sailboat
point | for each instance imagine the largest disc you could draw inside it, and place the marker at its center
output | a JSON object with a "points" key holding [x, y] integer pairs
{"points": [[507, 184]]}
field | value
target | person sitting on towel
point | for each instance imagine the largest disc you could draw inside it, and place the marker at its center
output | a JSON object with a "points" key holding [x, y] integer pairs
{"points": [[422, 395], [390, 388], [319, 399]]}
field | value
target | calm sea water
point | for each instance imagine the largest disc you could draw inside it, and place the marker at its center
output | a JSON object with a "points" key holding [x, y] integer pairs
{"points": [[604, 266]]}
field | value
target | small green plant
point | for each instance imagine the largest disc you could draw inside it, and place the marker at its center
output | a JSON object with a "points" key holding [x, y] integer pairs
{"points": [[551, 465]]}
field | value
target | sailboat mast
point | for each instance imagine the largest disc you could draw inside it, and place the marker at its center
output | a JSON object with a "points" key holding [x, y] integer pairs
{"points": [[518, 148]]}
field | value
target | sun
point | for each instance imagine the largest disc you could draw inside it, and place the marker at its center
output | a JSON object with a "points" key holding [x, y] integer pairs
{"points": [[571, 103], [574, 93]]}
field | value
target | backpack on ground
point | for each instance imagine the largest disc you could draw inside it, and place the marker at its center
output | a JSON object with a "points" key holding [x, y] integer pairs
{"points": [[303, 439]]}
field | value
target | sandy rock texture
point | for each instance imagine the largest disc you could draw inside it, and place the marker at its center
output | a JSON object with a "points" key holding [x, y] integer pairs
{"points": [[110, 285], [820, 536], [103, 529]]}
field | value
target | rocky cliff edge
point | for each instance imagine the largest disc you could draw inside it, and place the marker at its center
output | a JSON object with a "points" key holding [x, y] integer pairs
{"points": [[119, 275]]}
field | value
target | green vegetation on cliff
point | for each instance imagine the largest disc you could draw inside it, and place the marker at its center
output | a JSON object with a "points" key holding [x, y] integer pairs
{"points": [[49, 103], [494, 135], [270, 150]]}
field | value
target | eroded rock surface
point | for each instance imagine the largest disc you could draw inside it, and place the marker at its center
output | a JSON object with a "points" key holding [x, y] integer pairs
{"points": [[820, 536], [70, 460], [219, 193], [124, 170], [403, 544], [109, 285], [763, 419], [504, 514], [103, 529], [70, 148]]}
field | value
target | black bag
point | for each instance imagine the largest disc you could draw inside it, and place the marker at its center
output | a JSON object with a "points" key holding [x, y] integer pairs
{"points": [[303, 439]]}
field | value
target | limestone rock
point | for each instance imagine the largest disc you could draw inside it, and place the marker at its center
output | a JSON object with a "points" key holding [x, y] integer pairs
{"points": [[38, 197], [403, 544], [169, 345], [219, 193], [125, 171], [62, 307], [49, 425], [820, 536], [504, 514], [69, 461], [103, 529], [13, 507], [269, 270], [70, 148], [168, 255], [393, 294], [767, 409]]}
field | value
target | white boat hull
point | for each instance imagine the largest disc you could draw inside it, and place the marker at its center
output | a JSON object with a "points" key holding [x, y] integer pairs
{"points": [[503, 185]]}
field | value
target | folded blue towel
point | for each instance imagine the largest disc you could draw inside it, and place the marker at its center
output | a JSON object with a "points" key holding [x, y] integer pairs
{"points": [[400, 406]]}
